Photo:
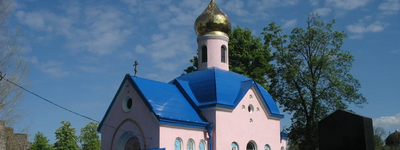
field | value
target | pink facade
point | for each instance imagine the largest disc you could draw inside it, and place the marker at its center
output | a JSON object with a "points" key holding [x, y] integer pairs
{"points": [[229, 126], [138, 120], [242, 125], [213, 44]]}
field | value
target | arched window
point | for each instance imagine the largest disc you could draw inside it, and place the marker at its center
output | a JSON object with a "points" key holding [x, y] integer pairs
{"points": [[234, 146], [178, 144], [202, 145], [132, 143], [266, 147], [204, 54], [251, 146], [190, 144], [223, 53], [282, 148]]}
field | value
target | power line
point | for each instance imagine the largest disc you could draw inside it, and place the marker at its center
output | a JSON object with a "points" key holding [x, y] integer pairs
{"points": [[2, 77]]}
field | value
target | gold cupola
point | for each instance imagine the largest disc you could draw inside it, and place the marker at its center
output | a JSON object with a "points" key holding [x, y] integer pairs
{"points": [[212, 21]]}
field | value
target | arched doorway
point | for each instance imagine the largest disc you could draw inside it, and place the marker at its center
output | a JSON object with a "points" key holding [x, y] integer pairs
{"points": [[132, 143]]}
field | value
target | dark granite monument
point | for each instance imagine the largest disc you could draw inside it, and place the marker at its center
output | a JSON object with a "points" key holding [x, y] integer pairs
{"points": [[345, 131]]}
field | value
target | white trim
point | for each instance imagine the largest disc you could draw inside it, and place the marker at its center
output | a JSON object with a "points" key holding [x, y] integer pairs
{"points": [[212, 36], [180, 127]]}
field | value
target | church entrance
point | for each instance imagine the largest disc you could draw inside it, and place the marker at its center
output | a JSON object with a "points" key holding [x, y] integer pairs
{"points": [[133, 143]]}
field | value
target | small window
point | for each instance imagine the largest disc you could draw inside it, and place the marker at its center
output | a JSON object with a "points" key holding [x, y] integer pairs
{"points": [[251, 146], [178, 144], [250, 108], [190, 144], [223, 53], [266, 147], [127, 104], [202, 145], [234, 146], [204, 54], [282, 148]]}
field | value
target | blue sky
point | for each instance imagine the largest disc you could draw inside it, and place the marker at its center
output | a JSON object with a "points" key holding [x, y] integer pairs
{"points": [[79, 51]]}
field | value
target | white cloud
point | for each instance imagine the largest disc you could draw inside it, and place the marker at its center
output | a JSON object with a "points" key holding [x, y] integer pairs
{"points": [[347, 4], [356, 36], [140, 49], [98, 29], [90, 69], [323, 11], [54, 69], [289, 23], [395, 51], [33, 20], [387, 121], [390, 7], [262, 5], [360, 27], [237, 7], [314, 2]]}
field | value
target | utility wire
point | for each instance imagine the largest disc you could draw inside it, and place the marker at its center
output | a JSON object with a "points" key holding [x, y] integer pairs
{"points": [[2, 77]]}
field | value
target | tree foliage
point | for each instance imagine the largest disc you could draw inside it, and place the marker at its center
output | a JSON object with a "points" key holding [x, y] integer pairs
{"points": [[312, 76], [40, 142], [247, 55], [13, 65], [89, 138], [67, 140]]}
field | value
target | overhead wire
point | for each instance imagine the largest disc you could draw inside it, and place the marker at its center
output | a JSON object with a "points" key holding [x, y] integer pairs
{"points": [[2, 77]]}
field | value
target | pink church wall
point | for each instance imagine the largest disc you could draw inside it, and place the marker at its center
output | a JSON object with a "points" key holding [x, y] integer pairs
{"points": [[235, 126], [139, 113], [169, 134], [214, 54]]}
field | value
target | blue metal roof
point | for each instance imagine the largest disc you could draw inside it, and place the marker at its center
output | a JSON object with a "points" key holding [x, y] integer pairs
{"points": [[165, 101], [168, 103], [216, 87], [179, 102]]}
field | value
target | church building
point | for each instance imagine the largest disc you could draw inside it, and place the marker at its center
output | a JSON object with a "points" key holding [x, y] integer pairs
{"points": [[209, 109]]}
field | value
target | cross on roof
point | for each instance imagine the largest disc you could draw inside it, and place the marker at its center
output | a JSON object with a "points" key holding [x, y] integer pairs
{"points": [[136, 64]]}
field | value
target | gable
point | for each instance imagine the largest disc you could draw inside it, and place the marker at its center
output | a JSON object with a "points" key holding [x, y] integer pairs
{"points": [[253, 100], [163, 100], [219, 88]]}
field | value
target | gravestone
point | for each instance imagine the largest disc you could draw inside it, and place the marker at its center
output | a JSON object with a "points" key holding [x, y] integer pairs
{"points": [[345, 131]]}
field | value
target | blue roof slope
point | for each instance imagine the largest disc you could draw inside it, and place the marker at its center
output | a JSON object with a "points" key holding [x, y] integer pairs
{"points": [[168, 103], [216, 87]]}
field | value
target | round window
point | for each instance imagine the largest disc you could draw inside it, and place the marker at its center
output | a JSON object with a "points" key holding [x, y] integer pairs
{"points": [[127, 104], [250, 108]]}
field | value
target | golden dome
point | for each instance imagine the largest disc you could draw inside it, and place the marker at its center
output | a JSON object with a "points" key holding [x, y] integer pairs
{"points": [[212, 21]]}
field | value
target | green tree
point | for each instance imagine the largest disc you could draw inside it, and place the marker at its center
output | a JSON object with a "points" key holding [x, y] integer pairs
{"points": [[247, 55], [312, 76], [379, 133], [89, 138], [40, 142], [67, 140]]}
